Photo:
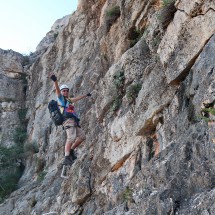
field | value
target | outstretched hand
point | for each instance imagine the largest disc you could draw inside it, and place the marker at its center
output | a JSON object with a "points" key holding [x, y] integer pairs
{"points": [[53, 77]]}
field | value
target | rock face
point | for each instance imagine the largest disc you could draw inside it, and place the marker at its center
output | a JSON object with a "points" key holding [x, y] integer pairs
{"points": [[12, 93], [149, 124], [199, 19], [53, 33]]}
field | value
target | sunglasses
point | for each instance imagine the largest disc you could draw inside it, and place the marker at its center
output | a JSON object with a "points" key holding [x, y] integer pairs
{"points": [[65, 91]]}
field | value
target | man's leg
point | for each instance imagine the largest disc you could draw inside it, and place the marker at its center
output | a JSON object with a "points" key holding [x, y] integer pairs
{"points": [[71, 137], [77, 142], [80, 138], [67, 148]]}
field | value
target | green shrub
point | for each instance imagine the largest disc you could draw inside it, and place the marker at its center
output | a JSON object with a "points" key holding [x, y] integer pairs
{"points": [[35, 146], [8, 156], [209, 110], [41, 176], [118, 79], [116, 104], [205, 114], [20, 135], [22, 115], [26, 60], [33, 202], [118, 88], [8, 183], [206, 119], [111, 16], [134, 36], [55, 35], [113, 12], [40, 164], [10, 172], [127, 194], [23, 77], [40, 169], [167, 12], [132, 91], [31, 148], [166, 3], [156, 41]]}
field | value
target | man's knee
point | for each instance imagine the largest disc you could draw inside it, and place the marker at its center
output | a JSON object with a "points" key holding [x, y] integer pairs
{"points": [[71, 139], [81, 135], [71, 134]]}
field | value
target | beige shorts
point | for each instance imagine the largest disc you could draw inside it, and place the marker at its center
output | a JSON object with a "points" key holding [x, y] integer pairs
{"points": [[73, 131]]}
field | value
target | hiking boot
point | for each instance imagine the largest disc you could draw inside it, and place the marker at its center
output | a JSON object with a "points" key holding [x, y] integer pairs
{"points": [[72, 155], [67, 160]]}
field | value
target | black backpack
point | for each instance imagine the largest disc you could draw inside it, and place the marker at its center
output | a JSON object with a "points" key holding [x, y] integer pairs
{"points": [[55, 114]]}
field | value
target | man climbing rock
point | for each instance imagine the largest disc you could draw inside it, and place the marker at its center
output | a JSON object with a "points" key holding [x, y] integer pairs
{"points": [[75, 135]]}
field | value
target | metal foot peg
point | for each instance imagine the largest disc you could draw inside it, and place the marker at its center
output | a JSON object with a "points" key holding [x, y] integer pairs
{"points": [[64, 172]]}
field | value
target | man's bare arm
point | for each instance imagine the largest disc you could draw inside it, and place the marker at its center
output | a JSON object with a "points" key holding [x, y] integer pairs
{"points": [[79, 97], [57, 89]]}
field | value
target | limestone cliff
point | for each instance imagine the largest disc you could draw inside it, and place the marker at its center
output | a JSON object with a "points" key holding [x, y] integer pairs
{"points": [[53, 33], [12, 93], [149, 123]]}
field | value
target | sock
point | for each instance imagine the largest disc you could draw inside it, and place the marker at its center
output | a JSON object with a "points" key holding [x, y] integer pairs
{"points": [[67, 153]]}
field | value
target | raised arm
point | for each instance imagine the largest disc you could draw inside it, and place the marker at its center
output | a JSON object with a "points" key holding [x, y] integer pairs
{"points": [[57, 89]]}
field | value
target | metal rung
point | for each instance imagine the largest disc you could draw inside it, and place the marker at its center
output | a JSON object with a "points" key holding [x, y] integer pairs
{"points": [[64, 172], [50, 213]]}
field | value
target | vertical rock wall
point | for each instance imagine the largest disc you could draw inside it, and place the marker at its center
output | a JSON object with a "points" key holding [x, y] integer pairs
{"points": [[12, 93], [150, 144]]}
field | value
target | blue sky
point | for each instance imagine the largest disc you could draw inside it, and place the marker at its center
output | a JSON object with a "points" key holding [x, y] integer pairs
{"points": [[24, 23]]}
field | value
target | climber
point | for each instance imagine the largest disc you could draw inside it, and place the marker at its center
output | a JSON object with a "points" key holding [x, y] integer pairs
{"points": [[75, 135]]}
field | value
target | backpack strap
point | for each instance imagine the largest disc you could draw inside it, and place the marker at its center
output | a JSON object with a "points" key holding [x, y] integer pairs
{"points": [[64, 107], [69, 100]]}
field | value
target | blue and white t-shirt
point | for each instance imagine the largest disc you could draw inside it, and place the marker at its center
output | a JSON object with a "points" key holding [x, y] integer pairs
{"points": [[61, 101], [67, 108]]}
